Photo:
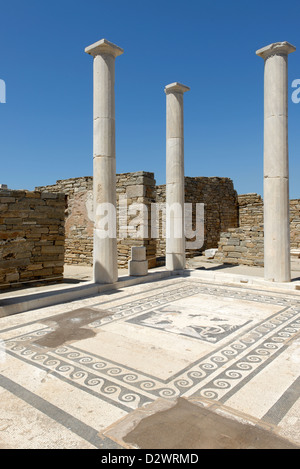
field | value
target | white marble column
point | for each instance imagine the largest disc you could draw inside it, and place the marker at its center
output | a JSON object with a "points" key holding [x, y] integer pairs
{"points": [[105, 261], [175, 238], [277, 266]]}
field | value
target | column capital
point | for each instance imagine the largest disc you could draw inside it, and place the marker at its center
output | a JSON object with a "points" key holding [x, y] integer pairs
{"points": [[277, 48], [176, 88], [103, 47]]}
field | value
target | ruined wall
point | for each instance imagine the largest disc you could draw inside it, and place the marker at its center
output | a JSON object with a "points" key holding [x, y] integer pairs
{"points": [[31, 236], [138, 191], [217, 195], [251, 209], [245, 245], [132, 188], [295, 223], [220, 208], [79, 218]]}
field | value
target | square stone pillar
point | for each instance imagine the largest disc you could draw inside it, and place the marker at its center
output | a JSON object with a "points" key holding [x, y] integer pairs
{"points": [[175, 236], [105, 261], [277, 265]]}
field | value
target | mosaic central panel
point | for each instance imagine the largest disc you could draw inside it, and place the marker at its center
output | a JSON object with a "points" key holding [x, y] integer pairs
{"points": [[242, 333], [189, 322]]}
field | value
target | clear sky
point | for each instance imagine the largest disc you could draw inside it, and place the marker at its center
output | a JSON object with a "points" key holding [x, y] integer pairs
{"points": [[46, 122]]}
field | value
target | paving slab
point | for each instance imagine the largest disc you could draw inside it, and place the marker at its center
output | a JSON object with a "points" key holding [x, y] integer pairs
{"points": [[72, 372], [195, 425]]}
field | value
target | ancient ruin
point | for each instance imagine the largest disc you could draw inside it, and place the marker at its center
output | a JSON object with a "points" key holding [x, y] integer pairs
{"points": [[32, 237], [174, 351], [175, 240], [108, 214], [104, 160], [276, 162]]}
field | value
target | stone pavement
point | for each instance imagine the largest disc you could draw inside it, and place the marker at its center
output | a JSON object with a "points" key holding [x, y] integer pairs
{"points": [[187, 361]]}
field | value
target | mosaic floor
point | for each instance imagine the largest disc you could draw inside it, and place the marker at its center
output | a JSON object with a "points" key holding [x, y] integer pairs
{"points": [[98, 359]]}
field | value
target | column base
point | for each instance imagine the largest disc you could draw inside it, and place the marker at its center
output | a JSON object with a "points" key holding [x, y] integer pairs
{"points": [[137, 268]]}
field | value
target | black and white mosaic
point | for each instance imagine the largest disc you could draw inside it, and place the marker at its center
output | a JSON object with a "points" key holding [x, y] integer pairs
{"points": [[241, 347], [183, 321]]}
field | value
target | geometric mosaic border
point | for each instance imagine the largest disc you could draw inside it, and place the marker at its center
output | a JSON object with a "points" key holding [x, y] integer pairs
{"points": [[218, 375]]}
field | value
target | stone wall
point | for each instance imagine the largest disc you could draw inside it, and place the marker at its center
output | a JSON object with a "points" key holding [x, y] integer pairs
{"points": [[31, 237], [79, 218], [132, 189], [245, 245], [136, 192], [251, 209], [220, 209], [217, 195], [295, 223]]}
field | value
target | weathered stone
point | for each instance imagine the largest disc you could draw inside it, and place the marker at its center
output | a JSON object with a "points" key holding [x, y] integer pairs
{"points": [[138, 268], [210, 253], [26, 220], [105, 263]]}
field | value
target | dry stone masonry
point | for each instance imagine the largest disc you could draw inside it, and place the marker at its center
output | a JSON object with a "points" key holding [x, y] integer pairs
{"points": [[251, 208], [79, 218], [295, 224], [220, 209], [245, 244], [134, 191], [277, 264], [31, 237], [217, 194]]}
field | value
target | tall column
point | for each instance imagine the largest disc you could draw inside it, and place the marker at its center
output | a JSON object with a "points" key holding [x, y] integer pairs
{"points": [[277, 266], [175, 238], [105, 260]]}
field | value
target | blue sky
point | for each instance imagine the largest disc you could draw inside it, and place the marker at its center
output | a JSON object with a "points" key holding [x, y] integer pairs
{"points": [[46, 122]]}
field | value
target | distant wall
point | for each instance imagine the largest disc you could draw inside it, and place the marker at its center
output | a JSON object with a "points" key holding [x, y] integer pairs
{"points": [[138, 190], [134, 188], [245, 244], [79, 218], [220, 208], [31, 236], [217, 194], [295, 223]]}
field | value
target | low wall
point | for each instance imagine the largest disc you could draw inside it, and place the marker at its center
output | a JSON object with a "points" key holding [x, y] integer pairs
{"points": [[295, 223], [79, 218], [31, 237], [220, 209], [135, 191], [245, 244], [251, 210]]}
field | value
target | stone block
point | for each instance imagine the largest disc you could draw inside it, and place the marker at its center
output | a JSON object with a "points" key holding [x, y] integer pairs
{"points": [[136, 191], [210, 253], [12, 277], [137, 268], [228, 248], [138, 253]]}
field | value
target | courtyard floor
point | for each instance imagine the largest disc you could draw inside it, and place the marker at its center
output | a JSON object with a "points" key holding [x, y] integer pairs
{"points": [[189, 361]]}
